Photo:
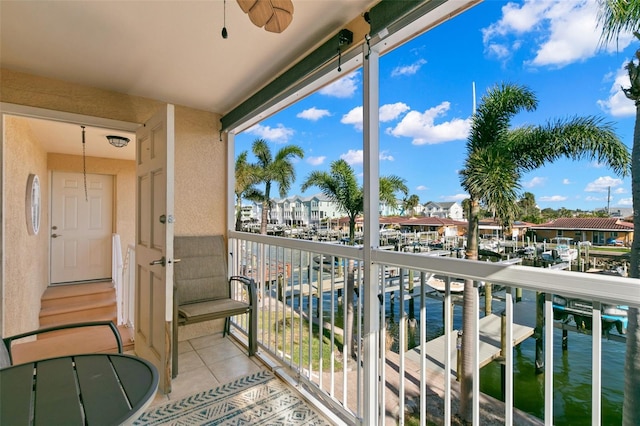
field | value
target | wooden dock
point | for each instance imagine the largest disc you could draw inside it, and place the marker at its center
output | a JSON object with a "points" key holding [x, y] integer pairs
{"points": [[490, 328]]}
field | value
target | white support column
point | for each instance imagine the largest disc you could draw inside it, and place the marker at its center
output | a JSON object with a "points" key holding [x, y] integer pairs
{"points": [[371, 413], [596, 369], [508, 359], [548, 359], [476, 356]]}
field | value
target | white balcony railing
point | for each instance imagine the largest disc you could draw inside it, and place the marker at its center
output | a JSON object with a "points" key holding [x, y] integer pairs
{"points": [[301, 299]]}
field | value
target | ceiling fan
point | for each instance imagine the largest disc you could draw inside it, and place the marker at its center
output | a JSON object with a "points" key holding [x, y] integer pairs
{"points": [[274, 15]]}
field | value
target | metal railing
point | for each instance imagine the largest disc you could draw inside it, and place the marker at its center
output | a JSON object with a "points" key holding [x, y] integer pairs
{"points": [[302, 318]]}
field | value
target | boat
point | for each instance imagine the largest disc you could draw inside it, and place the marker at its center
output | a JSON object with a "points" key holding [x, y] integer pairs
{"points": [[580, 311], [329, 263], [563, 247], [439, 285]]}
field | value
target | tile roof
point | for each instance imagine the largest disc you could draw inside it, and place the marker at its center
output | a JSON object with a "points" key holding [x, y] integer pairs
{"points": [[431, 221], [588, 223]]}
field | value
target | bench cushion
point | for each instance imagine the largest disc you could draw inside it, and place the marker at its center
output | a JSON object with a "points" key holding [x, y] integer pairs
{"points": [[201, 273], [212, 309]]}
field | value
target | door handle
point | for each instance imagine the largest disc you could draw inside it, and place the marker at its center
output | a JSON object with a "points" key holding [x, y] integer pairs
{"points": [[55, 235], [174, 261], [161, 261]]}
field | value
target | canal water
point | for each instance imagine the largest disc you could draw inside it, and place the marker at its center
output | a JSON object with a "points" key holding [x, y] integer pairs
{"points": [[572, 368]]}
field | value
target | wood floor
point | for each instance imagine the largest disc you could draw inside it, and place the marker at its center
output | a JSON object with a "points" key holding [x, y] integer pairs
{"points": [[71, 304]]}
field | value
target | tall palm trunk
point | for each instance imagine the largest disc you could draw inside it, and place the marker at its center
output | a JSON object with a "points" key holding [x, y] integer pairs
{"points": [[264, 217], [631, 406], [239, 214], [469, 312]]}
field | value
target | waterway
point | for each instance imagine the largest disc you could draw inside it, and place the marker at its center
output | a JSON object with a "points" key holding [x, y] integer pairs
{"points": [[572, 368]]}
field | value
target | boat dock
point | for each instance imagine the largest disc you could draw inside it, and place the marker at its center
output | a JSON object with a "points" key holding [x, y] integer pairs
{"points": [[490, 330]]}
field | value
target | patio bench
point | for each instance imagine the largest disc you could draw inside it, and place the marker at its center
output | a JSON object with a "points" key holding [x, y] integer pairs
{"points": [[203, 291]]}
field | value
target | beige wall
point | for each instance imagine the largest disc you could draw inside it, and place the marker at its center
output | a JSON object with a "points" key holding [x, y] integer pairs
{"points": [[25, 256], [200, 159]]}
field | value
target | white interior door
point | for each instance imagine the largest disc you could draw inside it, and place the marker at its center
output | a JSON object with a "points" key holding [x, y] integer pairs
{"points": [[154, 243], [81, 227]]}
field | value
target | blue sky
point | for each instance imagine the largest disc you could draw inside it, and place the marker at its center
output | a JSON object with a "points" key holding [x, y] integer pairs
{"points": [[426, 101]]}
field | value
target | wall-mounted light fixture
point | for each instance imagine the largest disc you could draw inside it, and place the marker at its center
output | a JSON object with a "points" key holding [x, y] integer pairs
{"points": [[118, 141]]}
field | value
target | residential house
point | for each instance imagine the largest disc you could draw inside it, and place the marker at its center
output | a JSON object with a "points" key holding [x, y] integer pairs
{"points": [[449, 209], [443, 227], [619, 212], [595, 230], [315, 210], [489, 228]]}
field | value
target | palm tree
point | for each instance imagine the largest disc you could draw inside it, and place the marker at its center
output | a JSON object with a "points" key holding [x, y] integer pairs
{"points": [[279, 170], [246, 177], [411, 203], [616, 17], [528, 204], [497, 157], [341, 187]]}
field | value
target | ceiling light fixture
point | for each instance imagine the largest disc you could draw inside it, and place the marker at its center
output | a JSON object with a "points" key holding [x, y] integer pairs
{"points": [[118, 141]]}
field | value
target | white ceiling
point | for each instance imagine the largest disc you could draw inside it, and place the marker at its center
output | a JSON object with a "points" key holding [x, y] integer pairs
{"points": [[171, 51]]}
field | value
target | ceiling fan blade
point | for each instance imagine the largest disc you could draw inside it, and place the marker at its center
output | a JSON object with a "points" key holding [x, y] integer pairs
{"points": [[274, 15], [282, 16], [261, 12], [246, 5]]}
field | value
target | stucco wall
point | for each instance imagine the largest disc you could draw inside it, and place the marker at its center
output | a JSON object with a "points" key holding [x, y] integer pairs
{"points": [[200, 174], [25, 256], [200, 157]]}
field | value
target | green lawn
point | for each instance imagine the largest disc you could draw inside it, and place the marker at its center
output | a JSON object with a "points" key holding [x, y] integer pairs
{"points": [[293, 338]]}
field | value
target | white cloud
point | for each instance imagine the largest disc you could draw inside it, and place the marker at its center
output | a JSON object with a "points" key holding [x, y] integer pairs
{"points": [[408, 69], [625, 202], [591, 198], [313, 114], [566, 182], [499, 51], [422, 129], [388, 112], [342, 88], [533, 182], [356, 156], [278, 134], [617, 104], [456, 197], [316, 161], [565, 31], [391, 112], [553, 198], [353, 117], [384, 156], [353, 156], [421, 188], [602, 184]]}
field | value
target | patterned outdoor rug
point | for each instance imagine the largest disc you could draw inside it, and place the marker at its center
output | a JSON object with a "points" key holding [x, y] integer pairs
{"points": [[258, 399]]}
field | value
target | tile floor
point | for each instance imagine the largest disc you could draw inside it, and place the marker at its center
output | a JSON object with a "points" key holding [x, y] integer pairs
{"points": [[206, 362]]}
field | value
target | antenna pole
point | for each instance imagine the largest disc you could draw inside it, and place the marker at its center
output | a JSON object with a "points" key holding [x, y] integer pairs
{"points": [[473, 89]]}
